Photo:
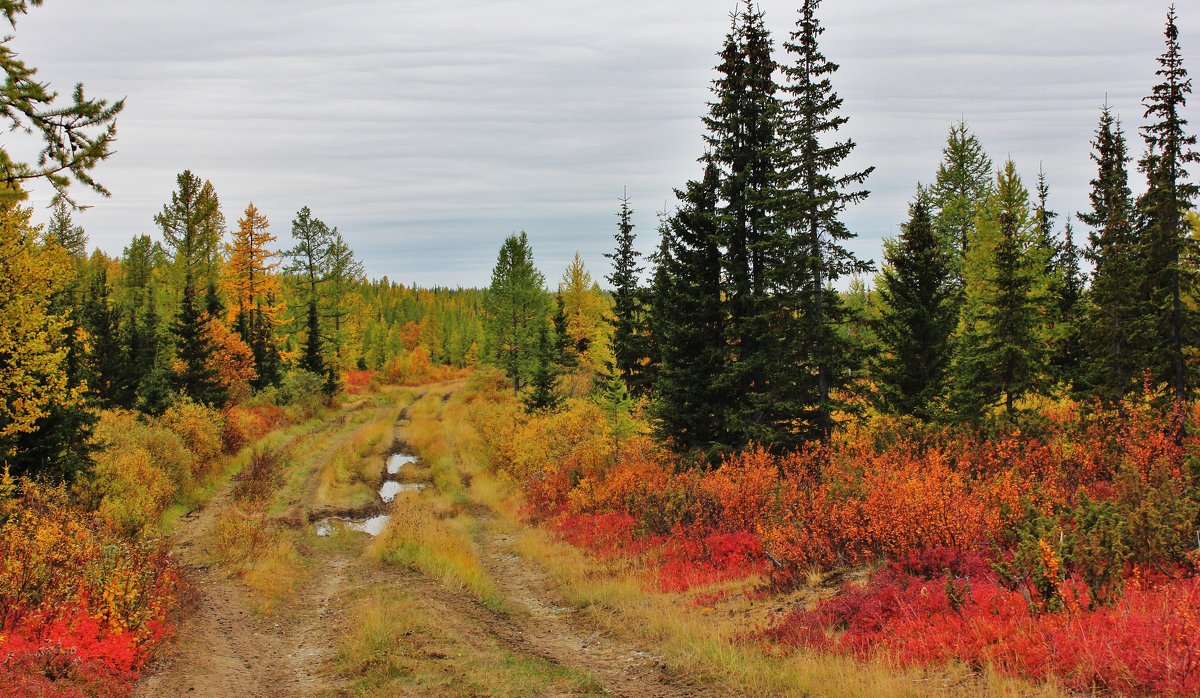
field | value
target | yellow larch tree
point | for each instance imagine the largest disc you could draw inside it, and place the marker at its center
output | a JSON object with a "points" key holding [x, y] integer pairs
{"points": [[254, 292], [589, 335]]}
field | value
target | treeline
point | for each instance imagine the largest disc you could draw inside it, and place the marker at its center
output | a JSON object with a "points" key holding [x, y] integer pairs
{"points": [[209, 313], [983, 301]]}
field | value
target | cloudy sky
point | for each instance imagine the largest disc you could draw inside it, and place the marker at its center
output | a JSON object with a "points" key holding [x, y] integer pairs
{"points": [[428, 131]]}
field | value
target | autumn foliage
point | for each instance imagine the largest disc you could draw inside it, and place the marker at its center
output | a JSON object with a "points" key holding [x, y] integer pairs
{"points": [[1066, 548], [81, 607]]}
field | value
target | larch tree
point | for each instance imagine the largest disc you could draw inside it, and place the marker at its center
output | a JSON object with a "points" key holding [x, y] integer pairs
{"points": [[191, 225], [585, 308], [919, 295], [516, 308], [1167, 246], [75, 137], [964, 179], [252, 284], [812, 360], [308, 264], [1003, 349], [343, 273]]}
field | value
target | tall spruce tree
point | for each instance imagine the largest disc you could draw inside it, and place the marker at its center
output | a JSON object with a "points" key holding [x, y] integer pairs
{"points": [[742, 145], [1116, 328], [1004, 334], [964, 179], [689, 398], [1167, 245], [811, 360], [517, 306], [919, 296], [629, 339], [543, 394]]}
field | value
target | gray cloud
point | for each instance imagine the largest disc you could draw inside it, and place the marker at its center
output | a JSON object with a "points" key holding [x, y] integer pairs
{"points": [[428, 131]]}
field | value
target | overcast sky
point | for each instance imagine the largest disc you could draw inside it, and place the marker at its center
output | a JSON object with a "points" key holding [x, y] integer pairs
{"points": [[429, 131]]}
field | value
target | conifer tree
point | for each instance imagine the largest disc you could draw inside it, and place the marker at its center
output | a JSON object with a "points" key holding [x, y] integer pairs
{"points": [[63, 231], [343, 273], [107, 370], [919, 296], [689, 398], [543, 395], [253, 286], [1167, 246], [812, 360], [742, 144], [1116, 331], [963, 181], [517, 306], [1069, 306], [629, 336], [197, 379], [1003, 352], [308, 262]]}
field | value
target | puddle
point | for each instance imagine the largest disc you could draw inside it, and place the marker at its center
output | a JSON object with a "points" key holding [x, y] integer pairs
{"points": [[372, 526], [391, 488], [397, 460]]}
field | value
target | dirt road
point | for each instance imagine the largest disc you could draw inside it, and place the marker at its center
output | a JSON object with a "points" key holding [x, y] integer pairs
{"points": [[226, 647]]}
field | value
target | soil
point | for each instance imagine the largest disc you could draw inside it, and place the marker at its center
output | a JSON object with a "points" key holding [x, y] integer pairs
{"points": [[226, 647]]}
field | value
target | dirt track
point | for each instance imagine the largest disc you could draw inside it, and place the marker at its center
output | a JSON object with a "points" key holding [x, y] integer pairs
{"points": [[227, 648]]}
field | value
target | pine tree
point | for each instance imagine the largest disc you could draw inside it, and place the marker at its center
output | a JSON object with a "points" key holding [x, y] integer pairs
{"points": [[919, 295], [517, 305], [1167, 246], [1003, 353], [689, 398], [629, 337], [813, 360], [964, 179], [192, 227]]}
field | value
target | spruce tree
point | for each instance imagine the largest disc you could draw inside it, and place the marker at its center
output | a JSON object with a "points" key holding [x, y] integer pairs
{"points": [[1116, 327], [689, 398], [1167, 245], [811, 360], [1003, 344], [543, 395], [308, 261], [107, 371], [742, 145], [197, 379], [517, 305], [1069, 306], [919, 295], [629, 338]]}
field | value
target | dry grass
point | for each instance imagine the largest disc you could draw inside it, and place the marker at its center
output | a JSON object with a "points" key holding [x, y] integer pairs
{"points": [[396, 647], [439, 541]]}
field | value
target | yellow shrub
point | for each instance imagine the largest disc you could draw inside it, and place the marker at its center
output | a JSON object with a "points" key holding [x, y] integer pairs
{"points": [[578, 438], [200, 428], [135, 492]]}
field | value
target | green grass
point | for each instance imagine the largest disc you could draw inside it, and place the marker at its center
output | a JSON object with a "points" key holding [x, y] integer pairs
{"points": [[396, 647]]}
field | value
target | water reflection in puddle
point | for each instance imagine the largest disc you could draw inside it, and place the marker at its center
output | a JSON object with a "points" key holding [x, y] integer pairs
{"points": [[372, 526], [397, 460], [391, 488]]}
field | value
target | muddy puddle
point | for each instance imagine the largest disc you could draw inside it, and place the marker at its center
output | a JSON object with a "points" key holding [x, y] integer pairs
{"points": [[374, 525]]}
